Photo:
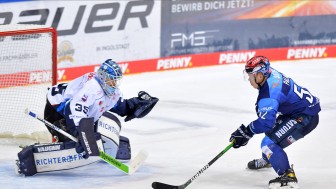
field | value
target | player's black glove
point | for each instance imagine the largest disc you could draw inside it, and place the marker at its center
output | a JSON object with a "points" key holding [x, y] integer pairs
{"points": [[241, 136], [141, 105]]}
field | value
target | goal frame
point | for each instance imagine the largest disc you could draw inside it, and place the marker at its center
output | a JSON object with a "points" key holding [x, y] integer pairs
{"points": [[33, 29], [40, 30]]}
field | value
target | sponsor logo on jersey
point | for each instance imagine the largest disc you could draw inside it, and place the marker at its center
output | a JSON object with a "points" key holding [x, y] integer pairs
{"points": [[48, 148], [228, 58], [84, 98], [311, 52], [285, 128], [169, 63], [285, 80], [290, 139]]}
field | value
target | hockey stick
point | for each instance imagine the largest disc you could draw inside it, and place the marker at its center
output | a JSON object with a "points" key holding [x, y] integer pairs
{"points": [[160, 185], [134, 164]]}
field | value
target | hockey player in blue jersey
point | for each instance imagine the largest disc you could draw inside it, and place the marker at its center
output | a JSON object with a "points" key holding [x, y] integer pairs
{"points": [[286, 113], [84, 107]]}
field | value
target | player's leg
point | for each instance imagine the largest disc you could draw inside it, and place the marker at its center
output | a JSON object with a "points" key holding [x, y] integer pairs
{"points": [[285, 132], [39, 158], [259, 163], [279, 161], [299, 127]]}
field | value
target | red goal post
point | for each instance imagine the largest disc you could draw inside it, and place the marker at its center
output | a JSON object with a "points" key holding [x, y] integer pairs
{"points": [[28, 66]]}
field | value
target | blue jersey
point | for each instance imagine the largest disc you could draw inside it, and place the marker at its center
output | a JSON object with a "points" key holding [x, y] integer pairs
{"points": [[281, 95]]}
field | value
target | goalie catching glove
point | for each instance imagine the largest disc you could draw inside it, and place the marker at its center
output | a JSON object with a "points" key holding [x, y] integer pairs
{"points": [[141, 105]]}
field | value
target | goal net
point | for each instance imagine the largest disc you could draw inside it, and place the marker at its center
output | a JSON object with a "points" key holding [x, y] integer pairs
{"points": [[28, 61]]}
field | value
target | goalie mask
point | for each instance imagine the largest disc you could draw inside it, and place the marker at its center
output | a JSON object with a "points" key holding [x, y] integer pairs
{"points": [[109, 76]]}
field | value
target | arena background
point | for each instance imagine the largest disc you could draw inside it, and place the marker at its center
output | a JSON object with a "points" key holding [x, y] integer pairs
{"points": [[153, 35]]}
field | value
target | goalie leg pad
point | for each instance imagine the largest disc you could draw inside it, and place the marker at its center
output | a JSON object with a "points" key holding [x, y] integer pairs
{"points": [[41, 158], [87, 138], [109, 127], [124, 150], [26, 163], [115, 145]]}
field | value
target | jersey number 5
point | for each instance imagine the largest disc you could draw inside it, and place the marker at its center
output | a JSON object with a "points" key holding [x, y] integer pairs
{"points": [[303, 92]]}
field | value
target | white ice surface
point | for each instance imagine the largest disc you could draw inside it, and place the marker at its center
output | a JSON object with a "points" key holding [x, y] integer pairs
{"points": [[198, 110]]}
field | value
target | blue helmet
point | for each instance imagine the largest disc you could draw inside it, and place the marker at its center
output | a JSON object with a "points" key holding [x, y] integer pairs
{"points": [[109, 76]]}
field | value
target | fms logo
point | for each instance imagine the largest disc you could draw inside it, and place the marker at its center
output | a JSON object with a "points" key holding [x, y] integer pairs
{"points": [[197, 38], [65, 53]]}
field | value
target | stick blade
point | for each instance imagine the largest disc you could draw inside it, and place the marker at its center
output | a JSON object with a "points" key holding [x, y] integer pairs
{"points": [[137, 161], [160, 185]]}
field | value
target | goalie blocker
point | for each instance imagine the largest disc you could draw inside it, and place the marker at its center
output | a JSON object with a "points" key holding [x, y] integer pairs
{"points": [[39, 158]]}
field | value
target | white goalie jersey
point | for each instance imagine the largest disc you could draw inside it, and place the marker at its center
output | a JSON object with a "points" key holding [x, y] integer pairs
{"points": [[84, 97]]}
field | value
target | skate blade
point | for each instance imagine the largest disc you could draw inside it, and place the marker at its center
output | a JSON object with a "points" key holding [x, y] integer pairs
{"points": [[16, 167], [290, 185]]}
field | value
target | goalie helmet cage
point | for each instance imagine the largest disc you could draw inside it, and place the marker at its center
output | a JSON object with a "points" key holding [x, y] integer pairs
{"points": [[28, 66]]}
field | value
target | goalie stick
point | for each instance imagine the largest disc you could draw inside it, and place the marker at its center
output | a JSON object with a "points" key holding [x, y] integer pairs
{"points": [[134, 164], [160, 185]]}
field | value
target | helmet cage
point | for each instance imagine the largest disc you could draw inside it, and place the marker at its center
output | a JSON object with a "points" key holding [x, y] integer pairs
{"points": [[109, 76]]}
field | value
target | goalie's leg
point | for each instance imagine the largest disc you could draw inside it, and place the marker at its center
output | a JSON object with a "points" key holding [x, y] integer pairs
{"points": [[115, 145], [52, 116], [39, 158]]}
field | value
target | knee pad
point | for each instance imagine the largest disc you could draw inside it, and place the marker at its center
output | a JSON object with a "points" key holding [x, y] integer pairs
{"points": [[124, 150]]}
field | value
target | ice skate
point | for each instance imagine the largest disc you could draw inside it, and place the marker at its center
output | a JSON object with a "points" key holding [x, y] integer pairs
{"points": [[258, 164], [17, 167], [286, 181]]}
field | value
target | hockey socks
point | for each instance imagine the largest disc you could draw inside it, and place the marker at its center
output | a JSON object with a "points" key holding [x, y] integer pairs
{"points": [[278, 159]]}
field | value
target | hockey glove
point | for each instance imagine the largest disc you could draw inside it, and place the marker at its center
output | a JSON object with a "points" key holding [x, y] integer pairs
{"points": [[241, 136], [141, 105]]}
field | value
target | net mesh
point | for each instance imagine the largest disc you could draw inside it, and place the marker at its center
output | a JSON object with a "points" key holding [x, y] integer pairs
{"points": [[25, 75]]}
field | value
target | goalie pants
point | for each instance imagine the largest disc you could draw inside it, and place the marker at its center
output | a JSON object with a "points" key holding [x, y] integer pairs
{"points": [[52, 116]]}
